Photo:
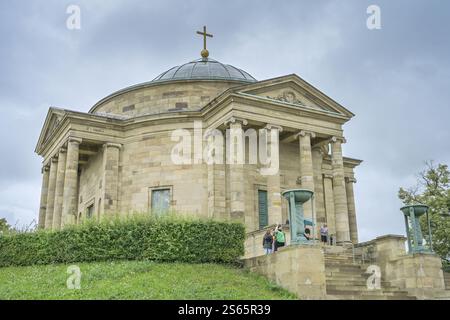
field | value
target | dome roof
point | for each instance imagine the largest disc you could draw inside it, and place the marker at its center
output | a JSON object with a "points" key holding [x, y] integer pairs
{"points": [[205, 69]]}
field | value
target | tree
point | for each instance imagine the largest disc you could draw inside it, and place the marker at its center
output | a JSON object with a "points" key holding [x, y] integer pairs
{"points": [[4, 226], [433, 190]]}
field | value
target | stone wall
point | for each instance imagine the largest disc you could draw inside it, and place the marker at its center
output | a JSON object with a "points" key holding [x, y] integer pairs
{"points": [[420, 274], [162, 97], [299, 269]]}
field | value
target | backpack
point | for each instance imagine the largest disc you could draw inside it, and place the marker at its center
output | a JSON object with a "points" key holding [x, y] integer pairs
{"points": [[280, 237]]}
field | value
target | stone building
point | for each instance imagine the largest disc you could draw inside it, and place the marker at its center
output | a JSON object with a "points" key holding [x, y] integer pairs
{"points": [[116, 158]]}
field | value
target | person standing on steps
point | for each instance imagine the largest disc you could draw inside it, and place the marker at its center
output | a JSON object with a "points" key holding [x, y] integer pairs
{"points": [[268, 242], [324, 234], [280, 238]]}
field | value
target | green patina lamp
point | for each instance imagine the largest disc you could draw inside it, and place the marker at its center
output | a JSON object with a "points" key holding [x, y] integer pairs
{"points": [[412, 216], [296, 199]]}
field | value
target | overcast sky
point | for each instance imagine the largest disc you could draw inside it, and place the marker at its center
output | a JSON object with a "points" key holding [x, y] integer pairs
{"points": [[396, 80]]}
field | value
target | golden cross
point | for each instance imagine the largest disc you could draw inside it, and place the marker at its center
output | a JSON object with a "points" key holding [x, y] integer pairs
{"points": [[205, 52]]}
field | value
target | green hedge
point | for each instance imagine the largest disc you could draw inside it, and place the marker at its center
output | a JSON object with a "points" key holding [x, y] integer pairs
{"points": [[162, 240]]}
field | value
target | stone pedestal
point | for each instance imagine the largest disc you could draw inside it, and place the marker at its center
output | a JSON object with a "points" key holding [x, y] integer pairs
{"points": [[299, 269], [420, 274]]}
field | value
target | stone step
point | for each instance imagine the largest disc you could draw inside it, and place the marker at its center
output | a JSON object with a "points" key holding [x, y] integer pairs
{"points": [[363, 288], [345, 256], [367, 292], [345, 275], [354, 268], [353, 282], [343, 265], [344, 261]]}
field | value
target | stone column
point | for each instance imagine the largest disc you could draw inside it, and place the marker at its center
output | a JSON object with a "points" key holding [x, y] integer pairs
{"points": [[306, 167], [70, 195], [340, 197], [44, 194], [329, 204], [273, 178], [216, 176], [317, 158], [59, 189], [51, 194], [235, 162], [351, 209], [111, 157]]}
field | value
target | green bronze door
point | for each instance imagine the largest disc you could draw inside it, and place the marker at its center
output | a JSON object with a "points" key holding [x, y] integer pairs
{"points": [[262, 208]]}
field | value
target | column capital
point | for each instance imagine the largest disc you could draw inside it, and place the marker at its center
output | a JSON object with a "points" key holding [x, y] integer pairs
{"points": [[303, 133], [62, 150], [273, 126], [112, 145], [74, 140], [54, 159], [45, 168], [233, 120], [350, 180], [336, 138]]}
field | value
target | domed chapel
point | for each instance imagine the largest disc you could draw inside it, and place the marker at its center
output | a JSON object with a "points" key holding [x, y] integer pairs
{"points": [[117, 157]]}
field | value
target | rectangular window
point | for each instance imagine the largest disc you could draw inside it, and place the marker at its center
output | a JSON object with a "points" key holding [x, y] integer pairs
{"points": [[262, 208], [160, 201], [90, 211]]}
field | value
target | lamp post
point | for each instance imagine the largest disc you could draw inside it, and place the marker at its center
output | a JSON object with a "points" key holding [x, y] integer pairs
{"points": [[412, 216]]}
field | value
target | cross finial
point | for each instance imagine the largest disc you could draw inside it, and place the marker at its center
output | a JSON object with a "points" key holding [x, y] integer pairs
{"points": [[205, 52]]}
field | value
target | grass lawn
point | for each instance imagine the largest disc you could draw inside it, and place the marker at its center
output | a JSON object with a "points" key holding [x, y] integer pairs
{"points": [[138, 280]]}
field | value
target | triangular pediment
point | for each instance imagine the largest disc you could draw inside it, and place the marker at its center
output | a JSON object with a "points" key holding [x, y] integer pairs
{"points": [[293, 91], [52, 121]]}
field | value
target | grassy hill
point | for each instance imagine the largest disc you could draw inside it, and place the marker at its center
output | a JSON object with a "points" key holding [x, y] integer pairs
{"points": [[138, 280]]}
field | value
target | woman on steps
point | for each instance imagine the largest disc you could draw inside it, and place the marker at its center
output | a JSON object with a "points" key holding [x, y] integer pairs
{"points": [[268, 242]]}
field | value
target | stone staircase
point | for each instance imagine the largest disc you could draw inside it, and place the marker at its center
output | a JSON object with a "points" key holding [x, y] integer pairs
{"points": [[346, 278]]}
